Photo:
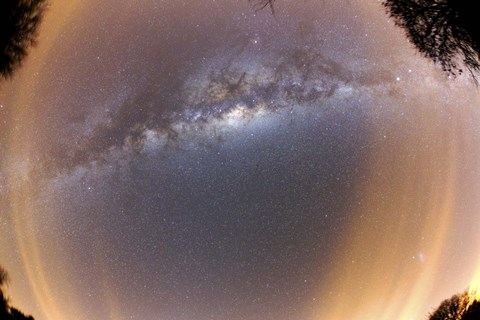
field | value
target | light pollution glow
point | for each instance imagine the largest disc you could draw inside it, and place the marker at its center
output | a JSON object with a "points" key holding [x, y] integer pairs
{"points": [[419, 170]]}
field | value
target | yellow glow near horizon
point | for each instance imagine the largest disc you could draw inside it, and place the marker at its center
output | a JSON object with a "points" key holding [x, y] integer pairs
{"points": [[388, 267], [474, 288], [20, 145]]}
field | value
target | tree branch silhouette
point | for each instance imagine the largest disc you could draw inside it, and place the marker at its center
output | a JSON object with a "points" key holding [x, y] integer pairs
{"points": [[262, 4]]}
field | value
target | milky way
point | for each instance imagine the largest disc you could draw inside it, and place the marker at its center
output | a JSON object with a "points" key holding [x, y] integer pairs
{"points": [[201, 160]]}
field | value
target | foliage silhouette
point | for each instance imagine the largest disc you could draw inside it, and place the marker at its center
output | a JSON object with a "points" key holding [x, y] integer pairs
{"points": [[459, 307], [19, 21], [445, 31], [7, 312]]}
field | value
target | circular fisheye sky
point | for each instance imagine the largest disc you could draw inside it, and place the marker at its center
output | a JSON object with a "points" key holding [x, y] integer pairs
{"points": [[194, 160]]}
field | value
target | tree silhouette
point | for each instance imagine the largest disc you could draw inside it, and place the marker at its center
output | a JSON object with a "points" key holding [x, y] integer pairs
{"points": [[445, 31], [8, 312], [459, 307], [19, 21]]}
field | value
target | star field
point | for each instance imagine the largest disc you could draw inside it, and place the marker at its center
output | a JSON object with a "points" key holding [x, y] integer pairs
{"points": [[199, 160]]}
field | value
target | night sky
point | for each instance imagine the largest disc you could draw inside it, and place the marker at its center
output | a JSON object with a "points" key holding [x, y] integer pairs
{"points": [[199, 160]]}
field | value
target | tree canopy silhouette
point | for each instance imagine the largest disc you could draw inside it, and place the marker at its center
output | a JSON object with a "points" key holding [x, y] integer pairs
{"points": [[19, 21], [445, 31], [7, 312], [458, 307]]}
